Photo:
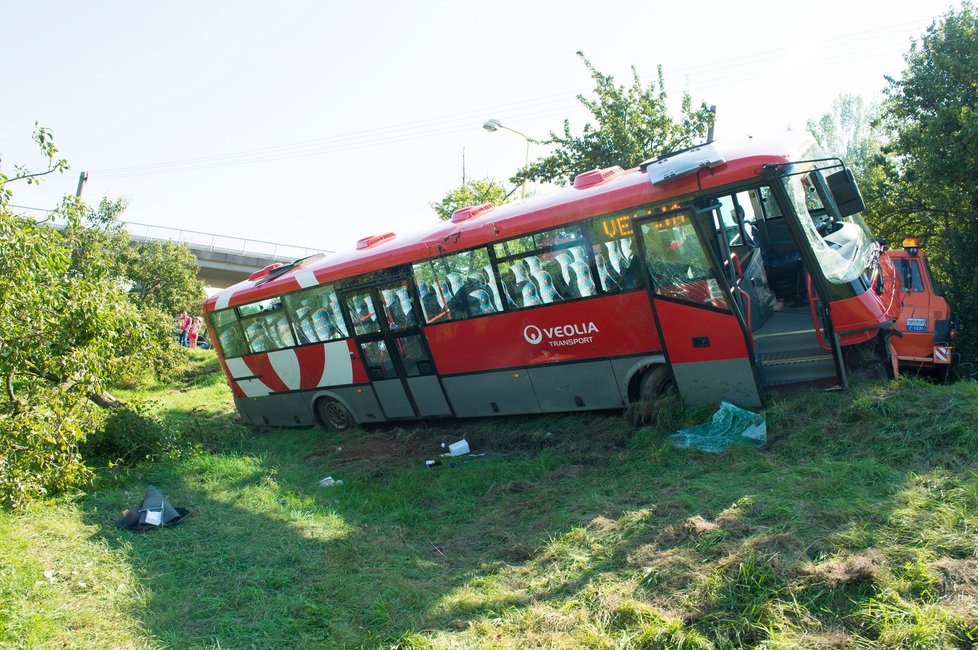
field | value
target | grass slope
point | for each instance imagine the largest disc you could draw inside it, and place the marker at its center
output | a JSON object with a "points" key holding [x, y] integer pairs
{"points": [[855, 527]]}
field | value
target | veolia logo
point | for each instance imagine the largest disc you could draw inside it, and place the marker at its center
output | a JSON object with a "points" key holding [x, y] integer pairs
{"points": [[532, 334]]}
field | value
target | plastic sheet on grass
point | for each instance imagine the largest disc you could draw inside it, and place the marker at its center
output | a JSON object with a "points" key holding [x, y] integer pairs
{"points": [[729, 425]]}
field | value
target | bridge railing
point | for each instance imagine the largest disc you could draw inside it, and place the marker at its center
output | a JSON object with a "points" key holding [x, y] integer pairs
{"points": [[220, 243]]}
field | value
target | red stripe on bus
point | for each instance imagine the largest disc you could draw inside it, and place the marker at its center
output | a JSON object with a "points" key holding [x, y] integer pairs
{"points": [[262, 367], [602, 327], [312, 361], [359, 370]]}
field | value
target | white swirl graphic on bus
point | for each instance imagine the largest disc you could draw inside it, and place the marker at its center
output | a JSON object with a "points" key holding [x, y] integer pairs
{"points": [[532, 334], [561, 335]]}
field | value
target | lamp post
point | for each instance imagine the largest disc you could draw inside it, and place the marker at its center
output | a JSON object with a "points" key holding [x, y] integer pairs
{"points": [[493, 125]]}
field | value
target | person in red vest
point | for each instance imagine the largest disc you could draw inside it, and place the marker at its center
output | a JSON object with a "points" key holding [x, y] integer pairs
{"points": [[183, 322], [196, 324]]}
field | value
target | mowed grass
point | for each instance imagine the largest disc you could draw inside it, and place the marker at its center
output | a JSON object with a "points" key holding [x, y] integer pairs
{"points": [[854, 527]]}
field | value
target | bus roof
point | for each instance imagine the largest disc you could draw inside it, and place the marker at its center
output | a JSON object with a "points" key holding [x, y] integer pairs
{"points": [[741, 160]]}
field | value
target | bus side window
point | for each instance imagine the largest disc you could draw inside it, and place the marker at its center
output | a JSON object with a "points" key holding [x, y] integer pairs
{"points": [[265, 325], [614, 257], [544, 268], [458, 286], [314, 313], [229, 334]]}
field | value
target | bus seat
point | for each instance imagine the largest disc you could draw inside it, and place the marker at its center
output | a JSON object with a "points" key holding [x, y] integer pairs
{"points": [[258, 337], [531, 296], [584, 282], [492, 286], [548, 292], [617, 259], [534, 263], [626, 250], [579, 254], [608, 281], [482, 303], [334, 306], [407, 306], [455, 281], [564, 260], [519, 272]]}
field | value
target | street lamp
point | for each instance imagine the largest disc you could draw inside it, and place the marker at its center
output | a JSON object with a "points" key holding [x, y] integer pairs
{"points": [[493, 125]]}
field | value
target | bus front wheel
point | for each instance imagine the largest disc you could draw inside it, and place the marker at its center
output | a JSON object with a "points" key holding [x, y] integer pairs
{"points": [[655, 383], [333, 415]]}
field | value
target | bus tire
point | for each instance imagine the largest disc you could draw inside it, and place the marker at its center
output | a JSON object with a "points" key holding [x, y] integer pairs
{"points": [[333, 415], [656, 382]]}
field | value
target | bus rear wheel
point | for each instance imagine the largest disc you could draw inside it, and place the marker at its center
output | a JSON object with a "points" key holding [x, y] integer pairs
{"points": [[333, 415]]}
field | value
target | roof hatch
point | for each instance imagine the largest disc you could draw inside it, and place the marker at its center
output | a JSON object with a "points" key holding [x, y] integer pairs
{"points": [[471, 212], [374, 240], [258, 275], [594, 177]]}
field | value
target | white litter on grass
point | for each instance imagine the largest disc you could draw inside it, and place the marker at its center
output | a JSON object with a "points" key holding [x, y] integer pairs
{"points": [[329, 481], [459, 448]]}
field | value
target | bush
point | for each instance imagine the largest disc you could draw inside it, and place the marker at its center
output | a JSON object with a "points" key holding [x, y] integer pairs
{"points": [[39, 454], [131, 433]]}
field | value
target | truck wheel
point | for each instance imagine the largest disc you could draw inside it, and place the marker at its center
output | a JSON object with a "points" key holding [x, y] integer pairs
{"points": [[333, 415]]}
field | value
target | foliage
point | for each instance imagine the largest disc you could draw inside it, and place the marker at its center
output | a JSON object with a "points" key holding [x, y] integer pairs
{"points": [[45, 142], [926, 183], [69, 328], [474, 192], [850, 130], [131, 433], [632, 124]]}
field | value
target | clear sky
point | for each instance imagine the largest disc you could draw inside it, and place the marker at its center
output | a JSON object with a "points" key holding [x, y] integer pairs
{"points": [[319, 122]]}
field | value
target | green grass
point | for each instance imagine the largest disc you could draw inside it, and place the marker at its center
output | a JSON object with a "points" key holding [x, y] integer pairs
{"points": [[855, 527]]}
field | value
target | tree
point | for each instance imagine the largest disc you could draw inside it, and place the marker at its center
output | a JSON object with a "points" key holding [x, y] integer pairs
{"points": [[68, 328], [474, 192], [850, 130], [927, 177], [632, 124]]}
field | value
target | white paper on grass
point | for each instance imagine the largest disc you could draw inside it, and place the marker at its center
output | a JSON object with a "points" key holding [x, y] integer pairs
{"points": [[154, 517]]}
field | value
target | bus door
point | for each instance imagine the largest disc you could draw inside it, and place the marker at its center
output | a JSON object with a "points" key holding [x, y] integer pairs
{"points": [[704, 335], [385, 325]]}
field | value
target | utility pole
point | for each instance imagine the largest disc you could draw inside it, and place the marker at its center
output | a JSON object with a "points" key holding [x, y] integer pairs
{"points": [[82, 177], [463, 166], [709, 133]]}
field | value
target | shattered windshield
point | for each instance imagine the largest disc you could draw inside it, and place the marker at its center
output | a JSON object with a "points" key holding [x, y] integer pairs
{"points": [[843, 246]]}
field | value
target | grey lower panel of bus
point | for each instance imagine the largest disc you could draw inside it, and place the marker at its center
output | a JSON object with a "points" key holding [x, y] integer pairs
{"points": [[598, 384], [577, 386], [706, 382], [570, 387], [392, 397], [492, 393], [428, 395], [277, 410]]}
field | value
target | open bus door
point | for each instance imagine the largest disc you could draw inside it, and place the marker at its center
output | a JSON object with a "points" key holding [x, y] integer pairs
{"points": [[705, 338], [394, 351]]}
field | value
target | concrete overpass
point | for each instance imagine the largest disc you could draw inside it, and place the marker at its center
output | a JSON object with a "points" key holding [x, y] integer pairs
{"points": [[223, 260]]}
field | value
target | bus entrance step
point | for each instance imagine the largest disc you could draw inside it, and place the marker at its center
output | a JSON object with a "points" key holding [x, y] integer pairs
{"points": [[779, 368]]}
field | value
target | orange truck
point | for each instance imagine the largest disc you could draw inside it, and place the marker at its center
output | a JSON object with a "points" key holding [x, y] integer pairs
{"points": [[925, 330]]}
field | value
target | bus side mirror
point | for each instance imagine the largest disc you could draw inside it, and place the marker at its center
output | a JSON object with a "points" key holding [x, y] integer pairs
{"points": [[846, 193]]}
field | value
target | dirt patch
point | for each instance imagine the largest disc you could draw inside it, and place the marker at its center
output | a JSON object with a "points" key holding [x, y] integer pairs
{"points": [[848, 569], [957, 576], [600, 523], [833, 640], [697, 525], [567, 472], [516, 487]]}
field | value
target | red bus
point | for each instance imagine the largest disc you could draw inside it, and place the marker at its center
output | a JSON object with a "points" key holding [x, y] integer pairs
{"points": [[718, 271]]}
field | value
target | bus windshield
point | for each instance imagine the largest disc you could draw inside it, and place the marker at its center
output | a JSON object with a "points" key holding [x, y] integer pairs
{"points": [[843, 245]]}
